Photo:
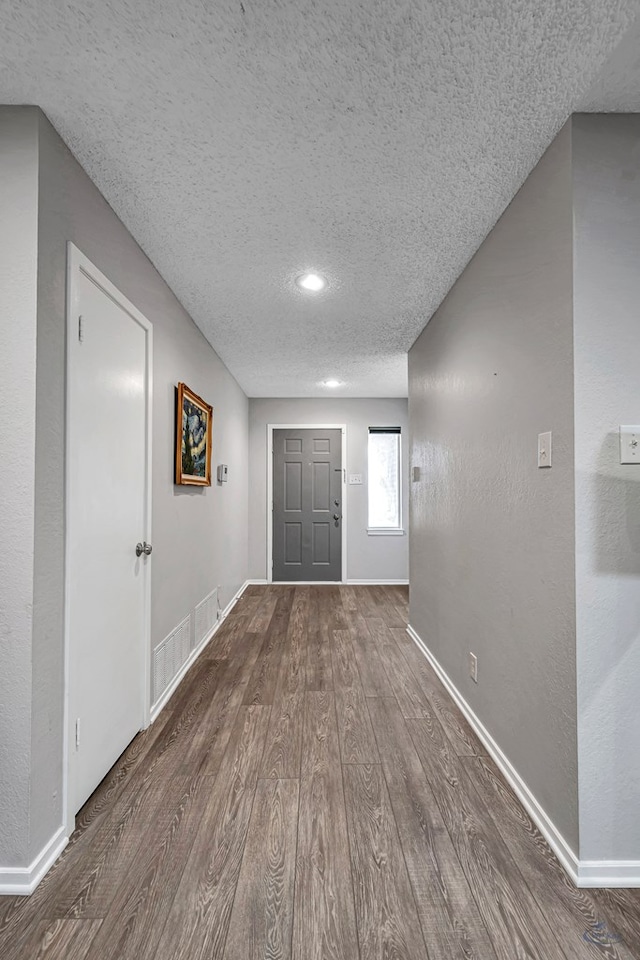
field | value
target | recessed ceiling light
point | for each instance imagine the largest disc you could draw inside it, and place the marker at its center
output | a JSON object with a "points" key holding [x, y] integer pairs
{"points": [[311, 282], [331, 383]]}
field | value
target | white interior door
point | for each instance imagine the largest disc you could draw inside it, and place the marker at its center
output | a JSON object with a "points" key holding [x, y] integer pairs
{"points": [[108, 463]]}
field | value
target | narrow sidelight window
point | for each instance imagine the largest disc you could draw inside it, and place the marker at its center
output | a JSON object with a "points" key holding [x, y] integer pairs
{"points": [[385, 511]]}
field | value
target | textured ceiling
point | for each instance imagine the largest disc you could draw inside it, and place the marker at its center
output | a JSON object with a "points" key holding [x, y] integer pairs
{"points": [[376, 142]]}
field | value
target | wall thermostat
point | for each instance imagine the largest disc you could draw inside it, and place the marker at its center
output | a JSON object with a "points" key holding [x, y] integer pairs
{"points": [[223, 471]]}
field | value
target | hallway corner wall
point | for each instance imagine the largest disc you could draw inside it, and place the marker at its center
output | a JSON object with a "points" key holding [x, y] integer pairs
{"points": [[18, 278], [492, 535], [606, 185]]}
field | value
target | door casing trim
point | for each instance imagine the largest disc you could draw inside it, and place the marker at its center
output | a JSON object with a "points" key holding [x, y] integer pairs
{"points": [[77, 264], [305, 426]]}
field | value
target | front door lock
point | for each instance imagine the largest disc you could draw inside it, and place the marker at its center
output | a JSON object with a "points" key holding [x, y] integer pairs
{"points": [[145, 548], [336, 517]]}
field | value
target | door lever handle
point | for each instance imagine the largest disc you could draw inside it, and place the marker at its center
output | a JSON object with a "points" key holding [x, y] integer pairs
{"points": [[145, 548]]}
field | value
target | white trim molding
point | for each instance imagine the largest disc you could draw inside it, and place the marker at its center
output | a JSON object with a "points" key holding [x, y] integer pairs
{"points": [[584, 873], [162, 701], [321, 583], [306, 583], [608, 873], [22, 881], [385, 532], [378, 583], [305, 426]]}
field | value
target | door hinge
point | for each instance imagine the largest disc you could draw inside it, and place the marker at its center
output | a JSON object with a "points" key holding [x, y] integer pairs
{"points": [[78, 733], [80, 329]]}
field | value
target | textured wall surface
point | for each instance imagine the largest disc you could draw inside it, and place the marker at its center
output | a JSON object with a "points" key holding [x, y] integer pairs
{"points": [[492, 542], [199, 535], [242, 143], [607, 393], [368, 557], [18, 263]]}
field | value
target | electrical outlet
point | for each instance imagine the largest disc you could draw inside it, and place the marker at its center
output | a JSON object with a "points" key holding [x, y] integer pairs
{"points": [[473, 667]]}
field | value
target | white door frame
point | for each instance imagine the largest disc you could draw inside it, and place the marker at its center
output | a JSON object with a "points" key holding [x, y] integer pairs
{"points": [[305, 426], [78, 265]]}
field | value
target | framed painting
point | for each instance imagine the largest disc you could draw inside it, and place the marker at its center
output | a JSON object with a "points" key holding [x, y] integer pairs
{"points": [[194, 424]]}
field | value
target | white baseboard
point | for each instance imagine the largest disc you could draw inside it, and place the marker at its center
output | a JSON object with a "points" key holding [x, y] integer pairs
{"points": [[547, 828], [301, 583], [332, 583], [379, 583], [162, 701], [22, 881], [609, 873], [584, 873]]}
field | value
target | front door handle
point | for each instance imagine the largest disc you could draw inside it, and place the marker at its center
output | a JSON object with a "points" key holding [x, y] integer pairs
{"points": [[145, 548], [336, 517]]}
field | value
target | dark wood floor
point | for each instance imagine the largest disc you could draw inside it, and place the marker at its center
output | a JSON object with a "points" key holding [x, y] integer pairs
{"points": [[311, 792]]}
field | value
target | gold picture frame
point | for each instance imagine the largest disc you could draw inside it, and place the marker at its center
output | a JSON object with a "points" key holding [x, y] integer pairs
{"points": [[194, 427]]}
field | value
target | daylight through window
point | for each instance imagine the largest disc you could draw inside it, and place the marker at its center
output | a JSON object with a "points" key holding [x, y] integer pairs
{"points": [[384, 478]]}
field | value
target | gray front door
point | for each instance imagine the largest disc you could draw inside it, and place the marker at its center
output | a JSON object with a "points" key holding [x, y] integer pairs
{"points": [[307, 504]]}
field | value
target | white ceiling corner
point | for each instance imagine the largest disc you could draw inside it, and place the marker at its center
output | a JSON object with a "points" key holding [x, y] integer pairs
{"points": [[377, 143]]}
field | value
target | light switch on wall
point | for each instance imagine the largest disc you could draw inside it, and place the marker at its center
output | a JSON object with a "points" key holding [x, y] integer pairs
{"points": [[355, 478], [544, 449], [630, 444]]}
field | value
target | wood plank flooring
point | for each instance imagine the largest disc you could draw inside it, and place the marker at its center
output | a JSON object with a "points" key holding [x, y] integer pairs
{"points": [[311, 792]]}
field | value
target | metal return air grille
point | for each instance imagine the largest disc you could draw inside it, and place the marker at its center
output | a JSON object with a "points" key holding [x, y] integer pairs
{"points": [[169, 656], [206, 616]]}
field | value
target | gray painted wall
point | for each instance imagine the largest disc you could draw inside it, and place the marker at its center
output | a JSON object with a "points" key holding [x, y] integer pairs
{"points": [[18, 265], [492, 536], [199, 535], [368, 557], [606, 152]]}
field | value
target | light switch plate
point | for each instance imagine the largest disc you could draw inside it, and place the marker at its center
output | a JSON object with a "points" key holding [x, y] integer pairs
{"points": [[544, 449], [415, 474], [473, 667], [355, 478], [630, 444]]}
